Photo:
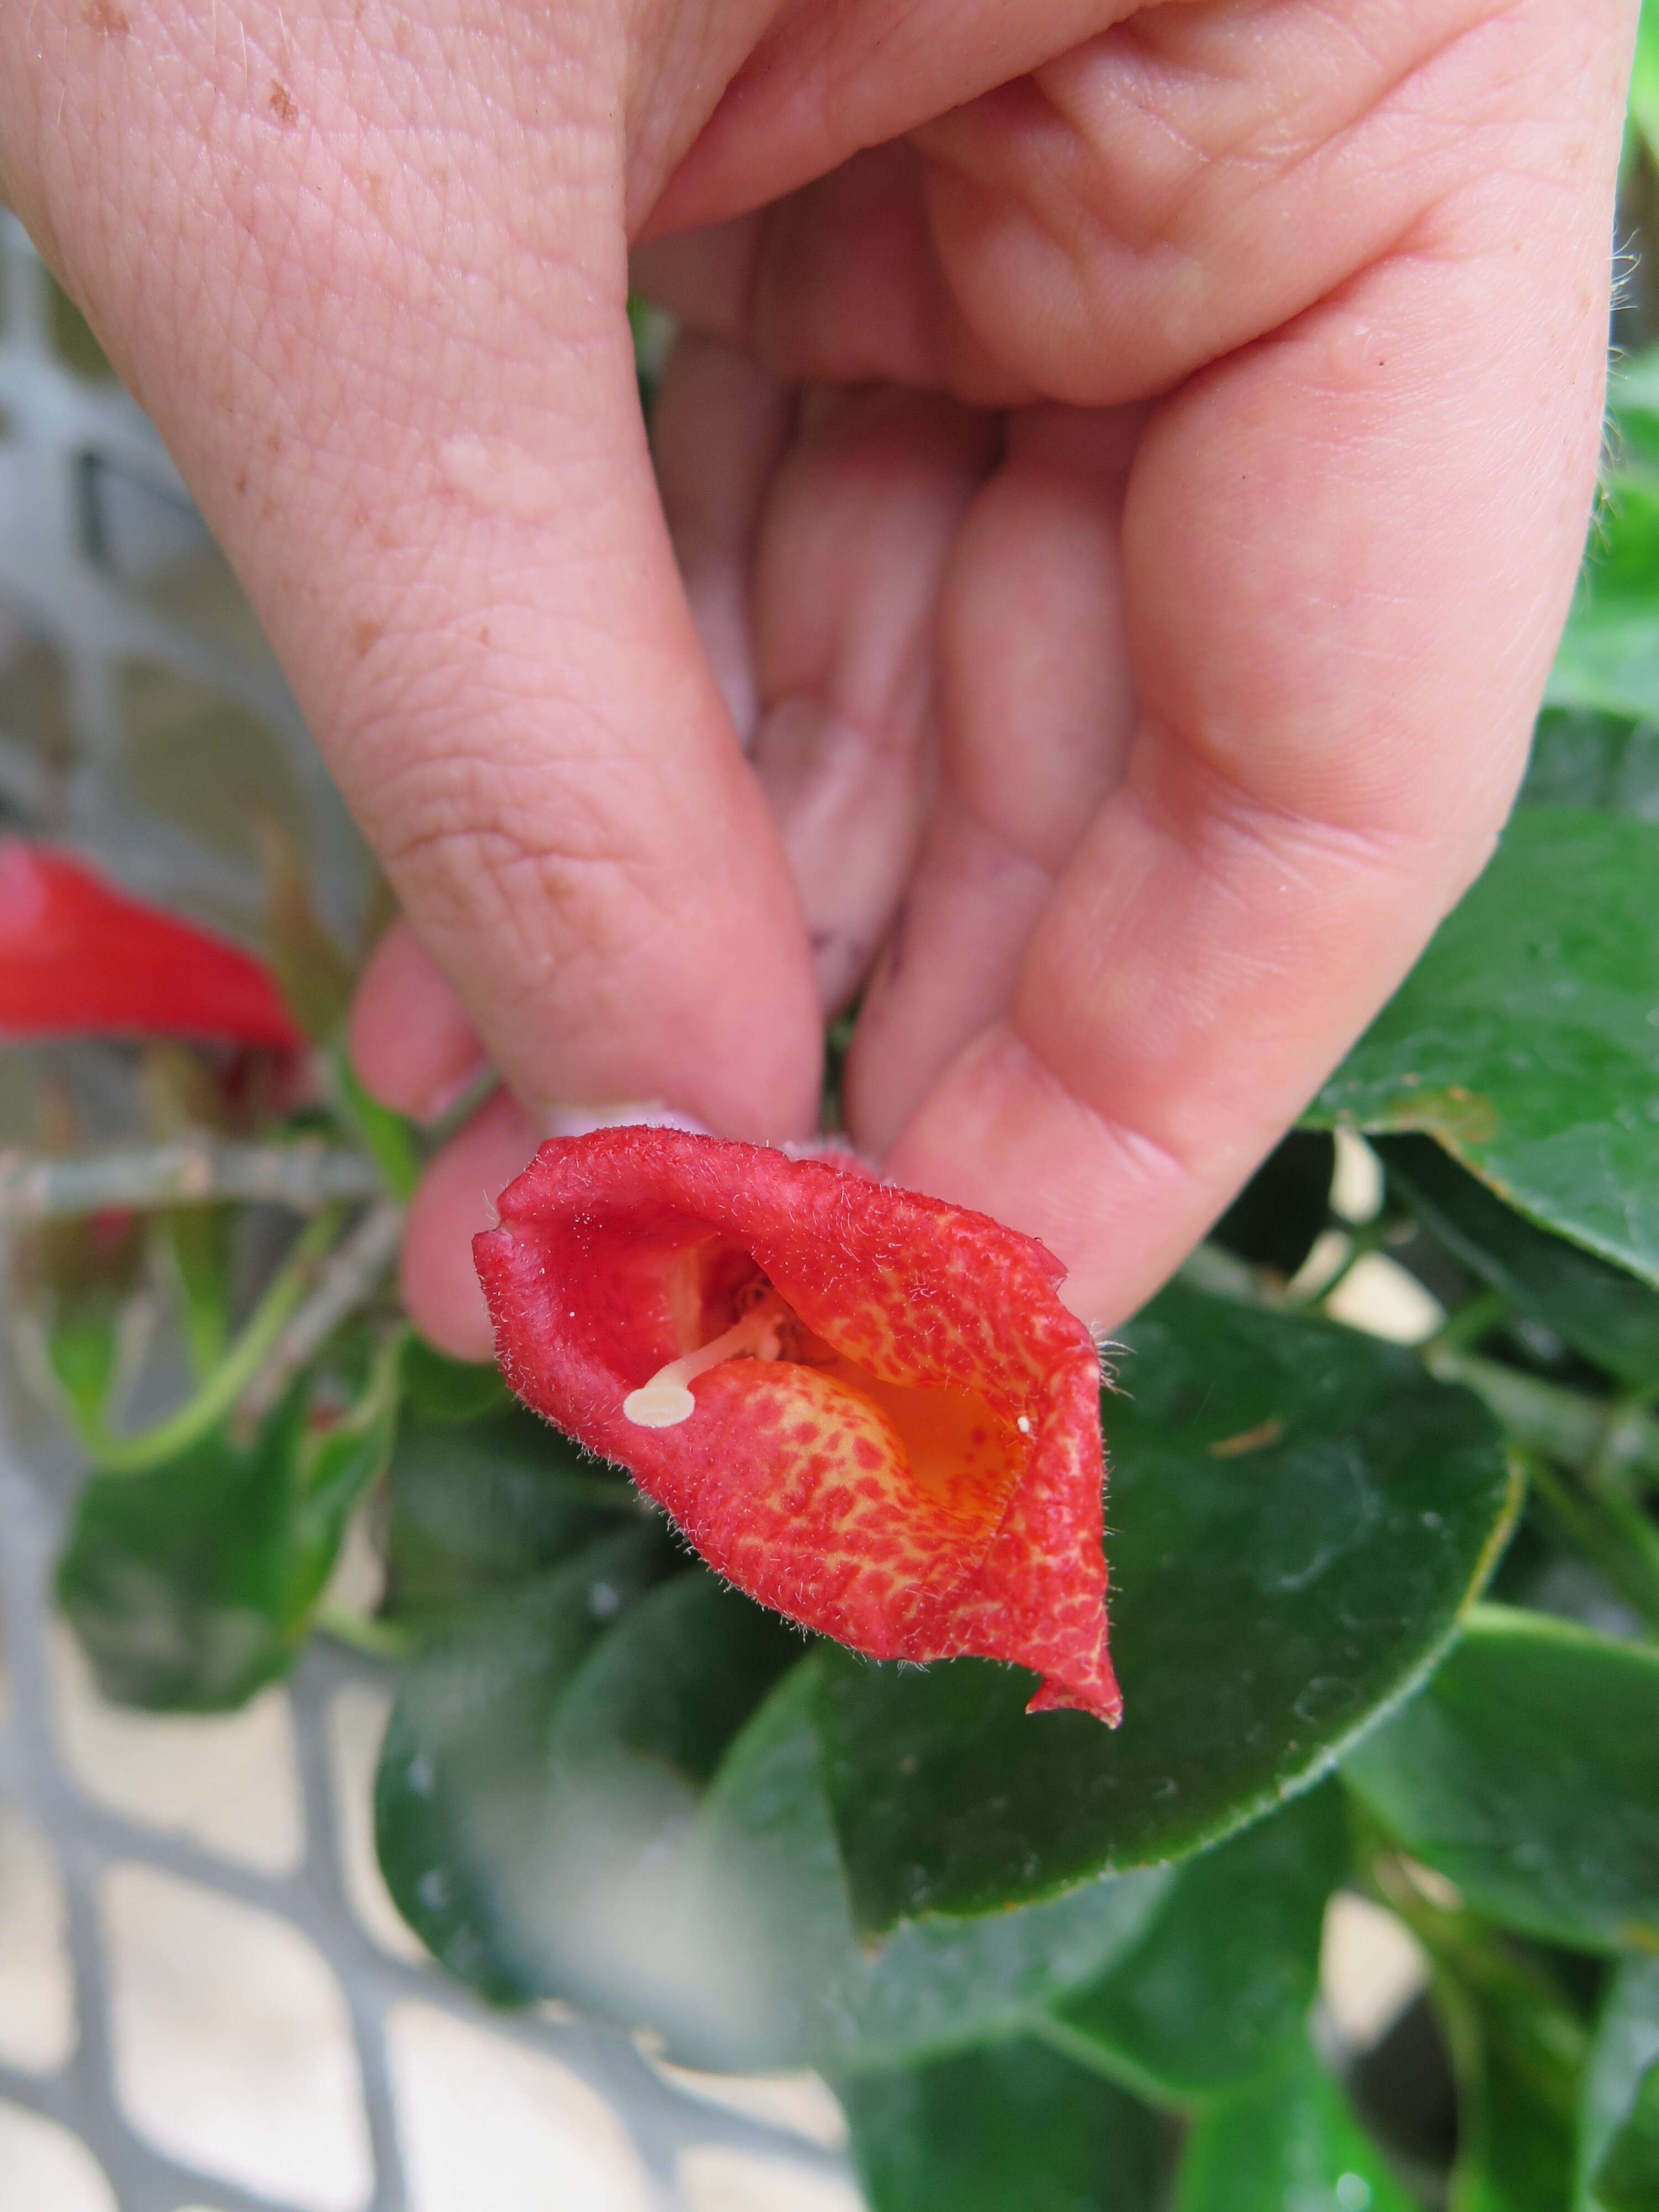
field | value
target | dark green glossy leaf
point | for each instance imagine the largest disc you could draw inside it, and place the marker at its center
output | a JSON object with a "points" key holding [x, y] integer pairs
{"points": [[1606, 1314], [190, 1585], [638, 1735], [1286, 2143], [482, 1505], [460, 1799], [1527, 1773], [782, 1978], [1014, 2128], [1300, 1514], [1222, 1979], [1622, 2059], [1526, 1038], [1627, 2179]]}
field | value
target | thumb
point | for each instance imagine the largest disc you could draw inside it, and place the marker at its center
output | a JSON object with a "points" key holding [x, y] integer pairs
{"points": [[377, 305]]}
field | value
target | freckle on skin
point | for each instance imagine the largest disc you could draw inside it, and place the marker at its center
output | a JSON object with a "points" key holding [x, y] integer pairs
{"points": [[365, 635], [283, 106], [105, 19]]}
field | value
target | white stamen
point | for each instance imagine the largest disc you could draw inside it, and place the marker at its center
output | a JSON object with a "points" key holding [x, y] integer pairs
{"points": [[660, 1405], [665, 1401]]}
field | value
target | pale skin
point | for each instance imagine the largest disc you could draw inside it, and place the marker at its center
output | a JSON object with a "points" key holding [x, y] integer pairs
{"points": [[1122, 480]]}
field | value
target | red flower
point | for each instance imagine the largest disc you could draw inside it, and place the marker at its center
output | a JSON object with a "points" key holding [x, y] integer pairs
{"points": [[865, 1407], [79, 957]]}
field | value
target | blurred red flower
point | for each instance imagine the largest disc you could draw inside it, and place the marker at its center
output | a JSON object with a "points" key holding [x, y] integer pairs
{"points": [[79, 957], [866, 1409]]}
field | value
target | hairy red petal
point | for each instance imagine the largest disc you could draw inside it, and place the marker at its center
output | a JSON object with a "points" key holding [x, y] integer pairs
{"points": [[918, 1475], [78, 957]]}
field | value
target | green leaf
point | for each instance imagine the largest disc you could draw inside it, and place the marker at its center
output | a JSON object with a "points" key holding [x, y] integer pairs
{"points": [[84, 1349], [782, 1978], [546, 1822], [1606, 1314], [1644, 79], [190, 1585], [1517, 2054], [1609, 659], [1527, 1773], [1300, 1514], [1222, 1979], [1011, 2129], [1607, 762], [1526, 1037], [198, 1240], [393, 1140], [1288, 2143], [1627, 2179], [480, 1505], [336, 1466], [461, 1793], [445, 1389], [637, 1737], [1622, 2059]]}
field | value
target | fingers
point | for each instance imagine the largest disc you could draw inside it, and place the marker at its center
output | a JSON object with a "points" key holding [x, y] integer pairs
{"points": [[1036, 710], [719, 429], [849, 561], [1349, 551], [456, 1198], [409, 1037], [379, 311], [1161, 187]]}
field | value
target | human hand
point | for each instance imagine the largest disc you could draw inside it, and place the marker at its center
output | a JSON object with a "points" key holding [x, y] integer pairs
{"points": [[1130, 513]]}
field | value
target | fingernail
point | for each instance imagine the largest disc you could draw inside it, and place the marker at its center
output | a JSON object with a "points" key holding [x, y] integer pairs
{"points": [[650, 1113]]}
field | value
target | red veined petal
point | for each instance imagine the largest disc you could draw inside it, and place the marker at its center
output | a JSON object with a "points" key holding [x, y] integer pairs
{"points": [[78, 957], [918, 1474]]}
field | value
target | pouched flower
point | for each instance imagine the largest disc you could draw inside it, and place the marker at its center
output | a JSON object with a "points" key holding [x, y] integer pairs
{"points": [[865, 1408], [79, 957]]}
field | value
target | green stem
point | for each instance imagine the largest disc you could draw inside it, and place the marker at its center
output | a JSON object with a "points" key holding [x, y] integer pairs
{"points": [[1633, 1572], [1563, 1424], [377, 1640], [1363, 1239], [151, 1447], [1470, 1323]]}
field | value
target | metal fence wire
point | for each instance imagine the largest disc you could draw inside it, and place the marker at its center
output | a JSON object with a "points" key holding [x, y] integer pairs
{"points": [[206, 2001]]}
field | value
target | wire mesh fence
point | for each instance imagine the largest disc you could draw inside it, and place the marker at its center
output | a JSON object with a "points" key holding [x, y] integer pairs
{"points": [[206, 1999]]}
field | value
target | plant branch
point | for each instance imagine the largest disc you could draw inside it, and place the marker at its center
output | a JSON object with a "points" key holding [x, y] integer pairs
{"points": [[112, 1454], [193, 1171], [1563, 1424], [376, 1640], [1604, 1538], [349, 1275]]}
